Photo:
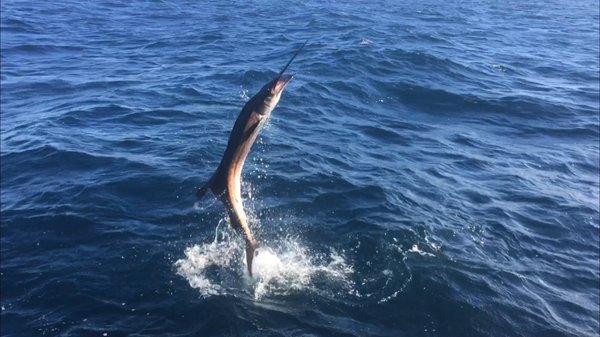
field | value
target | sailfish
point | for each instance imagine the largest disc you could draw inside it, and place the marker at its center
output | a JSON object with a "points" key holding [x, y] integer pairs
{"points": [[225, 183]]}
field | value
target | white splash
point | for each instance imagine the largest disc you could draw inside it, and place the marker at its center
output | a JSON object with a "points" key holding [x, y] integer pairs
{"points": [[278, 270], [499, 67], [415, 249], [244, 94], [199, 258], [292, 268]]}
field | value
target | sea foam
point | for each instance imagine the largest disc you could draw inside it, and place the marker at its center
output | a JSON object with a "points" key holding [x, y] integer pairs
{"points": [[279, 268]]}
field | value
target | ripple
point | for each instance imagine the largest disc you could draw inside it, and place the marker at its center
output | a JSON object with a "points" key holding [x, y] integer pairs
{"points": [[29, 49], [431, 170]]}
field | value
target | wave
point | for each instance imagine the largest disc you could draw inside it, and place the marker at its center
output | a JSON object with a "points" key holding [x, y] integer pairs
{"points": [[61, 87], [52, 159], [18, 26], [431, 170], [44, 49], [121, 115]]}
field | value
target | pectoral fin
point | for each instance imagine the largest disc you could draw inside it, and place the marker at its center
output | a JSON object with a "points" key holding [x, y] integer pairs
{"points": [[202, 190], [250, 130]]}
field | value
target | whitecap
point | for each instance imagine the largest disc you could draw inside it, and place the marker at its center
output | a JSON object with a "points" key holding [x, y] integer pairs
{"points": [[415, 249], [365, 41]]}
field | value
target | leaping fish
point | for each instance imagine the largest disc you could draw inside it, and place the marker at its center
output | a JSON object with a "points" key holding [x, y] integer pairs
{"points": [[225, 183]]}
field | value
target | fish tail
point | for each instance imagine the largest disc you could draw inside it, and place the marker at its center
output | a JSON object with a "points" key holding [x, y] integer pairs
{"points": [[251, 246]]}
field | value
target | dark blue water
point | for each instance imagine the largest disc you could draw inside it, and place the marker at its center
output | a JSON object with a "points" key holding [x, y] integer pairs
{"points": [[432, 170]]}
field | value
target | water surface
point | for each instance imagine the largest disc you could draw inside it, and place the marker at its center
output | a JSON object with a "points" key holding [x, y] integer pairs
{"points": [[432, 170]]}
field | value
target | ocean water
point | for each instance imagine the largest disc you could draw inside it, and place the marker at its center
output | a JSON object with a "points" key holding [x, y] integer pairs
{"points": [[432, 170]]}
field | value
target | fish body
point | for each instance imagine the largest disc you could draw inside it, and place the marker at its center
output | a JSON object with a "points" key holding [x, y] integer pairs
{"points": [[225, 183]]}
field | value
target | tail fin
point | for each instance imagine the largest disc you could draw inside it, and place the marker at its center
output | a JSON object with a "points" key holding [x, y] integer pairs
{"points": [[251, 252]]}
